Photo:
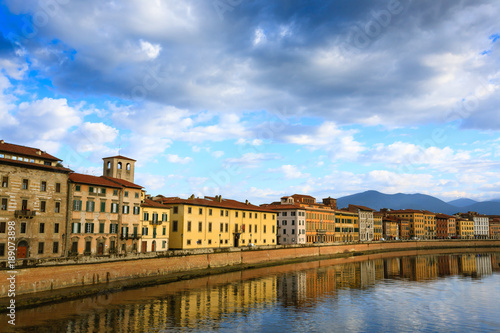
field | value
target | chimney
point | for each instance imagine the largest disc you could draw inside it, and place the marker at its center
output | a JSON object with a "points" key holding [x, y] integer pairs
{"points": [[2, 142], [246, 202], [39, 152]]}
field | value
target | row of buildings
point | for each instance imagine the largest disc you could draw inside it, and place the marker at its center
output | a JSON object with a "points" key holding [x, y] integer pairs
{"points": [[55, 212]]}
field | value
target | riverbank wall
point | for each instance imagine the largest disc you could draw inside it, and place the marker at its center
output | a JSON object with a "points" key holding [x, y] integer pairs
{"points": [[94, 274]]}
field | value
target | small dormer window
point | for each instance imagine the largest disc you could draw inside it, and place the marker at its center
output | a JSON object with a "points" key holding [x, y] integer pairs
{"points": [[119, 165]]}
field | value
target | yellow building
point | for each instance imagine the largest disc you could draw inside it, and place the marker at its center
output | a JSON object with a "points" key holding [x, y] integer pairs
{"points": [[377, 226], [155, 226], [465, 228], [416, 218], [429, 224], [213, 222], [346, 226]]}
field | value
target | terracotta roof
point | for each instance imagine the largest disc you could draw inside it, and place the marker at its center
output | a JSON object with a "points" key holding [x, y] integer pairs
{"points": [[211, 202], [123, 182], [35, 165], [151, 203], [404, 211], [301, 196], [283, 207], [362, 207], [27, 151], [92, 180], [444, 216], [119, 156]]}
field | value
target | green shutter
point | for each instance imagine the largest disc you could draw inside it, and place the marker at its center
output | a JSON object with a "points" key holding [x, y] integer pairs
{"points": [[74, 204], [79, 228]]}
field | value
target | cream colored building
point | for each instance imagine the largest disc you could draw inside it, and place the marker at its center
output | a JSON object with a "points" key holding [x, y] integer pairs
{"points": [[291, 221], [213, 222], [366, 222], [155, 226]]}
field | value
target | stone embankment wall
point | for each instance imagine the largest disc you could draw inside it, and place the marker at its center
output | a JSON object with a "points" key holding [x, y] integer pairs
{"points": [[71, 273]]}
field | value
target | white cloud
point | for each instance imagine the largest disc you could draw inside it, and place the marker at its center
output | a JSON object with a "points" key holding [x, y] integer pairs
{"points": [[177, 159], [218, 154], [151, 50], [290, 171], [251, 160]]}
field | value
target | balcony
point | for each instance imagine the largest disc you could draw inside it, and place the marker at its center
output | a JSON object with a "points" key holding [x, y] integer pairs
{"points": [[25, 214], [321, 231], [155, 222]]}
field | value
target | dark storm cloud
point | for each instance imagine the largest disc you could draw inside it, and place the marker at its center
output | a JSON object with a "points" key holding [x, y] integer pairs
{"points": [[394, 62]]}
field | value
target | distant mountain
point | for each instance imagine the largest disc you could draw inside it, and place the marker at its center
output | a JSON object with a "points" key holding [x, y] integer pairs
{"points": [[462, 202], [377, 200]]}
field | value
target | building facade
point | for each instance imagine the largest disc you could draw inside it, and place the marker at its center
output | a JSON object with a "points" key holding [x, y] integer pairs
{"points": [[429, 224], [391, 228], [105, 212], [155, 226], [445, 226], [346, 226], [291, 222], [366, 225], [33, 202], [416, 221], [494, 224], [378, 229], [215, 222], [465, 228]]}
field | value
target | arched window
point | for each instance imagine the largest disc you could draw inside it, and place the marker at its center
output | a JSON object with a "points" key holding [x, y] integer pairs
{"points": [[128, 166], [109, 165], [119, 165]]}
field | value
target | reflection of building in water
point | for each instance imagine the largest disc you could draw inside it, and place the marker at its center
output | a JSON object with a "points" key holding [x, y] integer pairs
{"points": [[392, 268], [495, 262], [425, 268], [347, 276], [367, 273], [444, 265], [379, 269], [292, 288], [483, 264], [467, 264]]}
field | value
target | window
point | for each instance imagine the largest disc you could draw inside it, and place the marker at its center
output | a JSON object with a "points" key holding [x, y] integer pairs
{"points": [[155, 217], [146, 216], [209, 241], [103, 206], [42, 206], [164, 231], [42, 228], [126, 209], [103, 191], [227, 213], [200, 226], [91, 189], [174, 226], [255, 228], [236, 214], [115, 192], [265, 216], [74, 247], [137, 210], [4, 204], [249, 228], [55, 247], [25, 184], [2, 249], [23, 227], [58, 187], [222, 227], [113, 228], [164, 217], [210, 212], [227, 227], [119, 165], [56, 228], [209, 226], [89, 228], [221, 212], [90, 206], [43, 187], [5, 181], [200, 211], [145, 231], [176, 210], [189, 226], [264, 229], [77, 188], [293, 231], [255, 215], [128, 166], [88, 246], [114, 207], [58, 207], [3, 226], [188, 242], [40, 247], [244, 214], [126, 194], [101, 228]]}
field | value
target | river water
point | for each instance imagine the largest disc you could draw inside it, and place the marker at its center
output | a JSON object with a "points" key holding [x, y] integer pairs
{"points": [[402, 292]]}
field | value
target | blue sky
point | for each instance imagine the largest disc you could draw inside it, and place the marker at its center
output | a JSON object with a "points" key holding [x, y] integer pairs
{"points": [[260, 99]]}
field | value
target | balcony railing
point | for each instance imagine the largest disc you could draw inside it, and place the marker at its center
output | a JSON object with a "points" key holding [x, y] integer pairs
{"points": [[25, 214]]}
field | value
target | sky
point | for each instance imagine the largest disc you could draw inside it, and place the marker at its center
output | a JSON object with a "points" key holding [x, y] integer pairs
{"points": [[260, 99]]}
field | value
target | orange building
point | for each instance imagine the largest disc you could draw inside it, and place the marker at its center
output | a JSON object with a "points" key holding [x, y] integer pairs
{"points": [[390, 227], [416, 221], [445, 226], [465, 228], [346, 226], [320, 217], [495, 228], [429, 224]]}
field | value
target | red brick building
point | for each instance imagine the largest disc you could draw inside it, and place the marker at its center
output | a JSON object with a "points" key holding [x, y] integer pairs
{"points": [[446, 226]]}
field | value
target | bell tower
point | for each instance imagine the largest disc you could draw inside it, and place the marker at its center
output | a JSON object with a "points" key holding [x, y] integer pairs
{"points": [[120, 167]]}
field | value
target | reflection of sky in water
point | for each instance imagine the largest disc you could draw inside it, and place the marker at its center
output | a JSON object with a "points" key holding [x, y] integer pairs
{"points": [[458, 293]]}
